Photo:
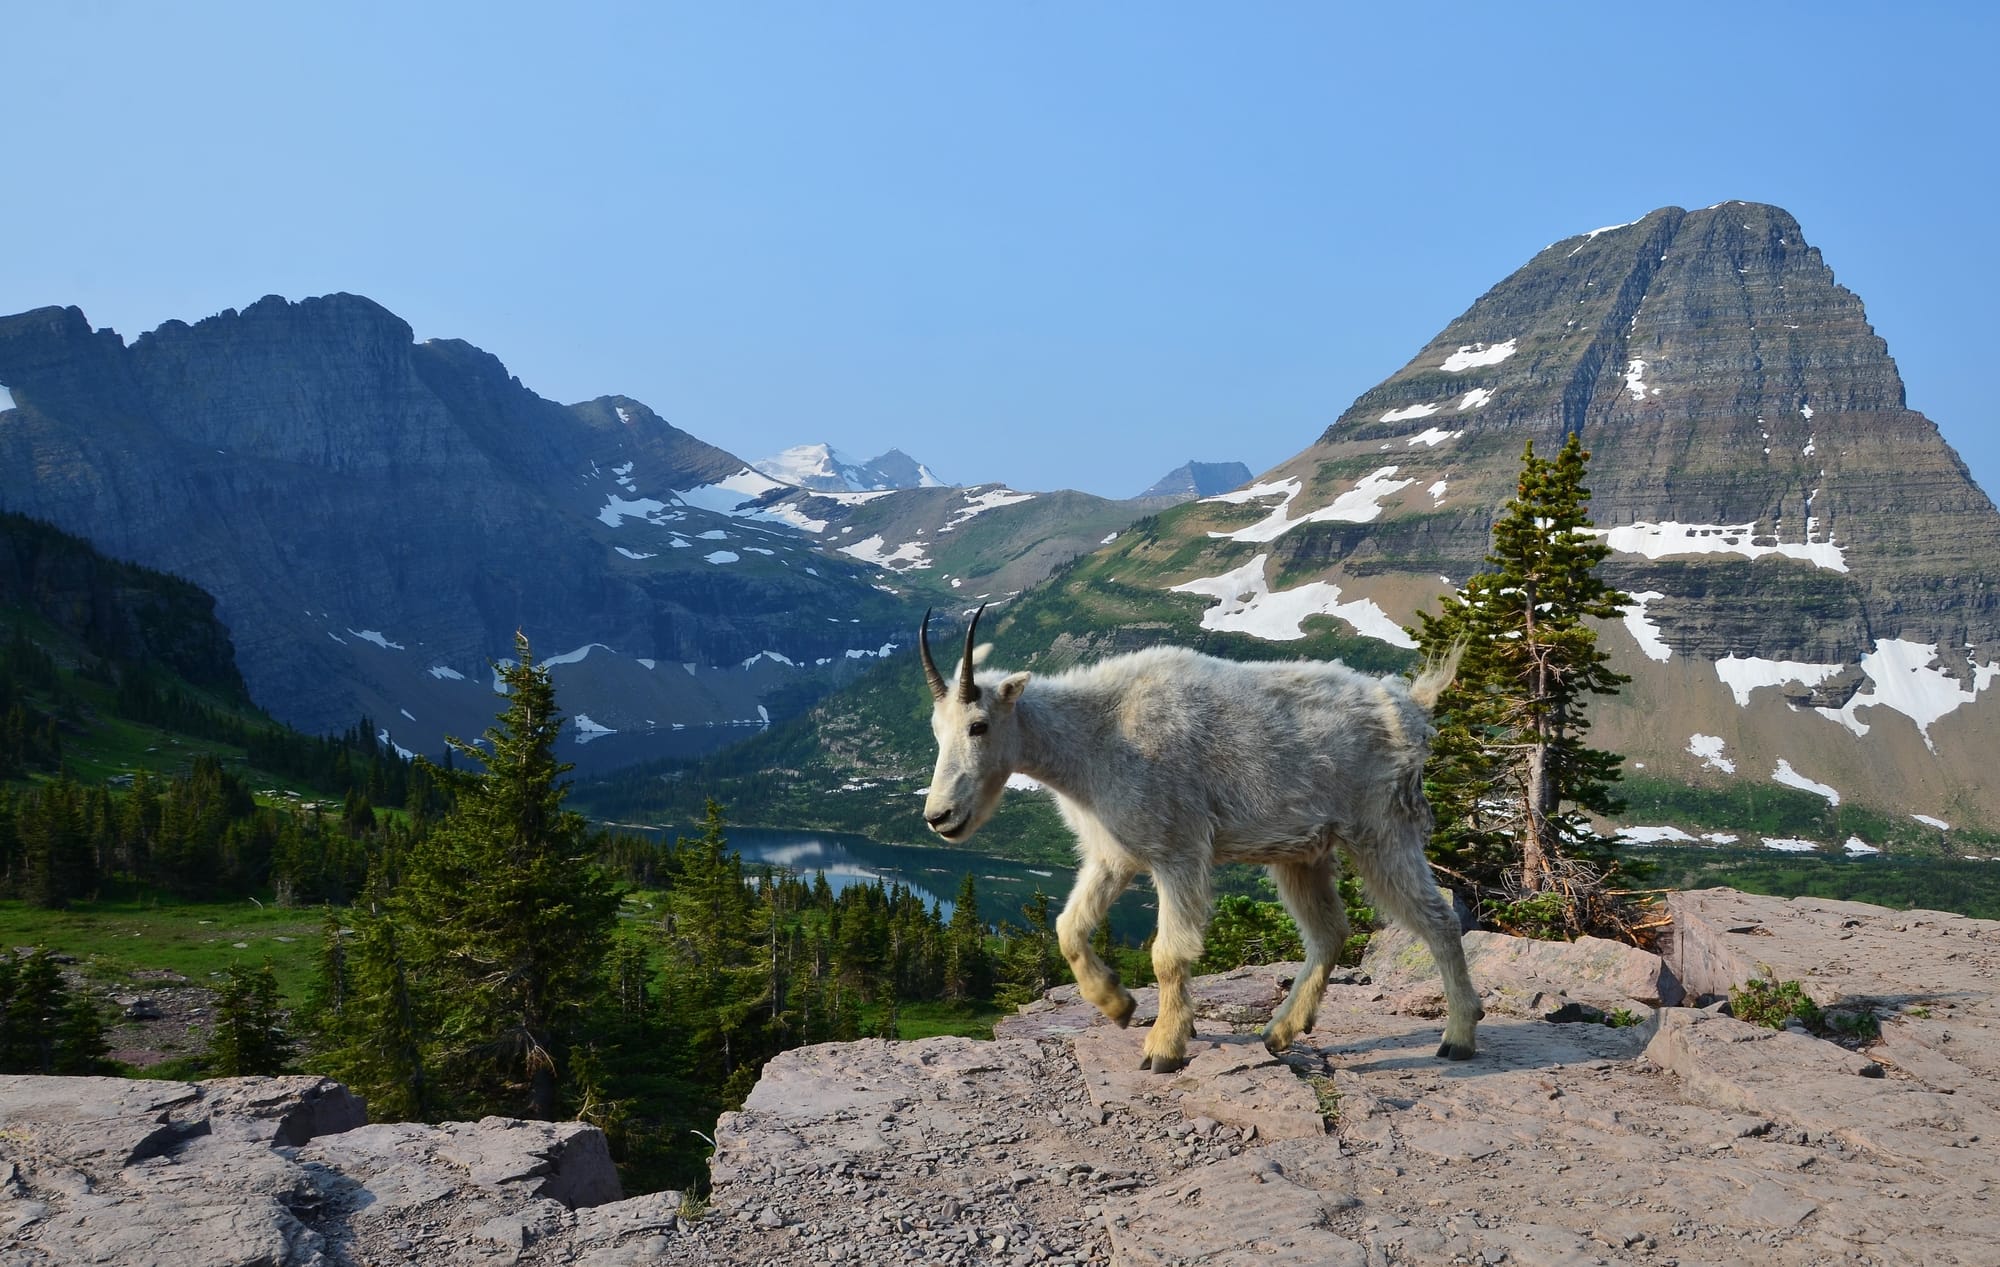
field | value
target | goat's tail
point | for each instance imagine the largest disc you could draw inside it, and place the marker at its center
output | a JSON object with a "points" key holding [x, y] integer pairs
{"points": [[1436, 675]]}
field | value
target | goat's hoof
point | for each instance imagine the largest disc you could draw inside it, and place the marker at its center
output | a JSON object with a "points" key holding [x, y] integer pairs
{"points": [[1121, 1012], [1163, 1064], [1275, 1044], [1449, 1050]]}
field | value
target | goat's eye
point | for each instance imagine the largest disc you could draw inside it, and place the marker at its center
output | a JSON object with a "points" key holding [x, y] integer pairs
{"points": [[978, 728]]}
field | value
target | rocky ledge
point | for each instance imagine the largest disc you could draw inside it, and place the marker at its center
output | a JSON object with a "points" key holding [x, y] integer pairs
{"points": [[1680, 1137]]}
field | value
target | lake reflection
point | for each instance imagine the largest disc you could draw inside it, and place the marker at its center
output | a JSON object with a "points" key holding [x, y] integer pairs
{"points": [[934, 875]]}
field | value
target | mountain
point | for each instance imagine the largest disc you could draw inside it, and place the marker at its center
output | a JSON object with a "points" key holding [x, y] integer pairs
{"points": [[377, 516], [1199, 479], [823, 469], [1814, 636]]}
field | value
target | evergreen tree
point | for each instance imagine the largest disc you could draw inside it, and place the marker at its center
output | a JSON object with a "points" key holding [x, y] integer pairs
{"points": [[1510, 776], [43, 1027], [1033, 960], [375, 1041], [508, 915], [968, 967], [249, 1033]]}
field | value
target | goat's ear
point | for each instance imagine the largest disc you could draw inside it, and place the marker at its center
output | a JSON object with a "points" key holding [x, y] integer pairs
{"points": [[980, 652], [1011, 688]]}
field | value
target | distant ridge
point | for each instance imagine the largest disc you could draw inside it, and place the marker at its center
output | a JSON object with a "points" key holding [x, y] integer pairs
{"points": [[1199, 479]]}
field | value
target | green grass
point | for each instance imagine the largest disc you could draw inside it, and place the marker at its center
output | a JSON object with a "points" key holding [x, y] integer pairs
{"points": [[929, 1020], [119, 935], [1937, 884]]}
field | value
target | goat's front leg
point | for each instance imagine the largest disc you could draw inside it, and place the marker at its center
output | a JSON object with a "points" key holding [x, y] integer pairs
{"points": [[1184, 902], [1099, 880]]}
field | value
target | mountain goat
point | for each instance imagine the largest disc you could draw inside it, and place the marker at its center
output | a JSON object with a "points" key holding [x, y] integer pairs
{"points": [[1171, 762]]}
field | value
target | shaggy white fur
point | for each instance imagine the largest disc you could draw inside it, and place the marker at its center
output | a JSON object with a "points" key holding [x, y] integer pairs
{"points": [[1172, 762]]}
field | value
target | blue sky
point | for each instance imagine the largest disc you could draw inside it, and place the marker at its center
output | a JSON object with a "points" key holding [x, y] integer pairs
{"points": [[1056, 245]]}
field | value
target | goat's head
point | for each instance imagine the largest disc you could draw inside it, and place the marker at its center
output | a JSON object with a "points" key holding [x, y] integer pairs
{"points": [[978, 737]]}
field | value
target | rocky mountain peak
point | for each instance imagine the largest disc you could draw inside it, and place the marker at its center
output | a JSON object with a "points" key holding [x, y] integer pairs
{"points": [[822, 468], [1199, 479], [1810, 562]]}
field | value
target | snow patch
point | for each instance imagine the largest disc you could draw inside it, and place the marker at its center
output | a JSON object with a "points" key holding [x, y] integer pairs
{"points": [[444, 674], [6, 399], [1360, 504], [1928, 821], [980, 503], [587, 730], [617, 509], [635, 554], [1635, 379], [382, 737], [406, 712], [1643, 630], [910, 553], [722, 556], [1475, 399], [1108, 540], [375, 636], [1437, 499], [1412, 411], [1474, 355], [1670, 537], [1432, 437], [1907, 679], [772, 656], [1653, 835], [726, 495], [1247, 604], [573, 657], [1792, 778], [1744, 674], [1787, 844], [1859, 848], [1709, 749]]}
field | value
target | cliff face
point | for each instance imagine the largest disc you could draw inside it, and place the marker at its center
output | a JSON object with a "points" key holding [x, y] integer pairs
{"points": [[1722, 379], [376, 518]]}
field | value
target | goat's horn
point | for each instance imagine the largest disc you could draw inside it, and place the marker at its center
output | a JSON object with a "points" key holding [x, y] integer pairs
{"points": [[931, 674], [967, 692]]}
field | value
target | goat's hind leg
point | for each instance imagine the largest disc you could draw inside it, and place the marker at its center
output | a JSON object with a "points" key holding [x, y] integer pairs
{"points": [[1184, 909], [1311, 891], [1399, 879], [1098, 883]]}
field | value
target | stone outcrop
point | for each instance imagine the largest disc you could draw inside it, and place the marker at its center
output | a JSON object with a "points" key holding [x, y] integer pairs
{"points": [[284, 1172], [1687, 1138]]}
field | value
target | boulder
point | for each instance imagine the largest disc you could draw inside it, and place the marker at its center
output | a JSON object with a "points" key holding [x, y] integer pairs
{"points": [[1590, 968]]}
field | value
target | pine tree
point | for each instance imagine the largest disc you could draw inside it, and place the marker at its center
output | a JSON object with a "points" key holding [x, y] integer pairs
{"points": [[968, 968], [1510, 777], [249, 1035], [508, 915]]}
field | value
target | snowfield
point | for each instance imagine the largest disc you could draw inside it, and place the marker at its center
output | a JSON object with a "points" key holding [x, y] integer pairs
{"points": [[1247, 604]]}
